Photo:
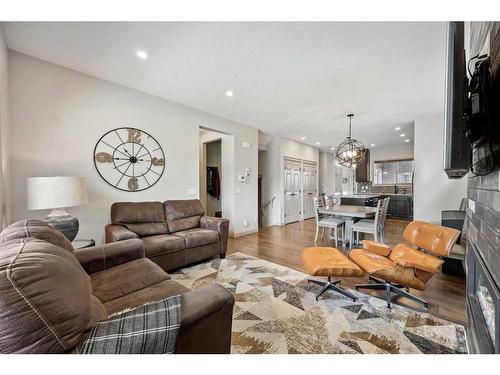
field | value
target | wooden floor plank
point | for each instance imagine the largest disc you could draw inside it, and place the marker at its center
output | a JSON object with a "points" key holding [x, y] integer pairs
{"points": [[284, 244]]}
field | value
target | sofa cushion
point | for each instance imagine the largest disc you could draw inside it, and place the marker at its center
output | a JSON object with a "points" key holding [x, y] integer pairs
{"points": [[38, 229], [126, 278], [154, 292], [183, 214], [198, 237], [97, 311], [44, 298], [142, 218], [162, 244], [196, 254]]}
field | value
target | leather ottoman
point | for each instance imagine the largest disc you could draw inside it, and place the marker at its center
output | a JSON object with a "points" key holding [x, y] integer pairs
{"points": [[329, 262]]}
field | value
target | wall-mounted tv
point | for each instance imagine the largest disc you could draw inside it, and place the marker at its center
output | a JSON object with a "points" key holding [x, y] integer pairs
{"points": [[456, 145]]}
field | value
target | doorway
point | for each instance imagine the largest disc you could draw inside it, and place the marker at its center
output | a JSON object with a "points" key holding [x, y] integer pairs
{"points": [[211, 172], [214, 177], [301, 186], [293, 193]]}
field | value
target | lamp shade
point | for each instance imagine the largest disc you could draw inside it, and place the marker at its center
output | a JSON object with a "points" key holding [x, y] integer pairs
{"points": [[55, 192]]}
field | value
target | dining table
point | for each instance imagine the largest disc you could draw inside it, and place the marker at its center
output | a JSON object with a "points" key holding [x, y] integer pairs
{"points": [[349, 213]]}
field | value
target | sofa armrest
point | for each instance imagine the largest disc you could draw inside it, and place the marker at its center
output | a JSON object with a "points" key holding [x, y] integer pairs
{"points": [[98, 258], [376, 247], [207, 315], [407, 256], [220, 225], [118, 233]]}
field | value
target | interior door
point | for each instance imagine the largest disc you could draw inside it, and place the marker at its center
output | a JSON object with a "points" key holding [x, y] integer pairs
{"points": [[309, 190], [292, 191]]}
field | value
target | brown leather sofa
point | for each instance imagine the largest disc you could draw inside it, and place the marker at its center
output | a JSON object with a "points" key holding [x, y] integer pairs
{"points": [[52, 295], [175, 233]]}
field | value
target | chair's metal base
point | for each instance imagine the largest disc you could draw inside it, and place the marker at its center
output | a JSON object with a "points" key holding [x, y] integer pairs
{"points": [[391, 288], [331, 285]]}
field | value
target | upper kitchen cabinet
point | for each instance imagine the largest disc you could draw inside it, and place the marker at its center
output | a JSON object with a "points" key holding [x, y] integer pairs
{"points": [[363, 168], [392, 172]]}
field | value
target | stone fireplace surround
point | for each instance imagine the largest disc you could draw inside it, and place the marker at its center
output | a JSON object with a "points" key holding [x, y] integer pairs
{"points": [[483, 305]]}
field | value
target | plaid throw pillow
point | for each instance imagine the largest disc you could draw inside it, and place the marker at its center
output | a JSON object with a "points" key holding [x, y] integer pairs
{"points": [[149, 329]]}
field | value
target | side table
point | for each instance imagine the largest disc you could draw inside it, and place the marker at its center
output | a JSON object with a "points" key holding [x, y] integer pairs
{"points": [[81, 243]]}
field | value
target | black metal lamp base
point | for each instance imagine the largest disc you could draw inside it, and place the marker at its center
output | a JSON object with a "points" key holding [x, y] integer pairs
{"points": [[331, 285], [391, 288]]}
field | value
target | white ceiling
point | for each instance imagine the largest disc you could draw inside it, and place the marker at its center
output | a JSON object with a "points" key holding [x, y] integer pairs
{"points": [[293, 79]]}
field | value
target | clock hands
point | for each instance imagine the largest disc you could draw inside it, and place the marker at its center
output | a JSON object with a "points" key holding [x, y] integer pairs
{"points": [[129, 159]]}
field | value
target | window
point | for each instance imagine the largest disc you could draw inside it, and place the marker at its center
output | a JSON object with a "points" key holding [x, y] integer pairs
{"points": [[393, 172]]}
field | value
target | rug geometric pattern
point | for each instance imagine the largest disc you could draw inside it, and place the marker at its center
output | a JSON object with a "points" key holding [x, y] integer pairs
{"points": [[276, 312]]}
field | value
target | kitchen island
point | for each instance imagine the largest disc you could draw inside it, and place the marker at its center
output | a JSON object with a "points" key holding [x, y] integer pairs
{"points": [[400, 205]]}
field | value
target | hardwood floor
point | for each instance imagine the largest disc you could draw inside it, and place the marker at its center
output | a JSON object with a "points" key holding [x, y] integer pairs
{"points": [[284, 245]]}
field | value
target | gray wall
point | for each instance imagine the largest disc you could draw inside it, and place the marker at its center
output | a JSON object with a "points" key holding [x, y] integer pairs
{"points": [[484, 223], [57, 115]]}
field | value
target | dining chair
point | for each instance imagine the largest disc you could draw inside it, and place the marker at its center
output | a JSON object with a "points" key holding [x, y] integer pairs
{"points": [[332, 200], [327, 222], [376, 226], [381, 222]]}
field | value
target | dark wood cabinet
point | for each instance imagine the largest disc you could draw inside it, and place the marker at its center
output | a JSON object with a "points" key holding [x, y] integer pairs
{"points": [[363, 168], [401, 207], [353, 201]]}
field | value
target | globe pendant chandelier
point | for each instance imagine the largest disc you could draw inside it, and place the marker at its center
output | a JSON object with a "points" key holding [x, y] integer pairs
{"points": [[350, 151]]}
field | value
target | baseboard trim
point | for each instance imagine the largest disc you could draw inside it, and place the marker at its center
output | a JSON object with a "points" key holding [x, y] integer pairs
{"points": [[236, 235]]}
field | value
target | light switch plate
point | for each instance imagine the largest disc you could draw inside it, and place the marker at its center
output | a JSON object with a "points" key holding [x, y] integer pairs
{"points": [[472, 205], [191, 192]]}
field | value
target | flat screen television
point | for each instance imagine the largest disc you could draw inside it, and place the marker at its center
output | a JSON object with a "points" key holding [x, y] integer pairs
{"points": [[456, 145]]}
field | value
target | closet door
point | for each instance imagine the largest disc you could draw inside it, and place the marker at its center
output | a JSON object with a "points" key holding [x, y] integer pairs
{"points": [[309, 188], [292, 191]]}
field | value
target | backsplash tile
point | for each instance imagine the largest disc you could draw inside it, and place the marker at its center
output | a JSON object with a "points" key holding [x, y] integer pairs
{"points": [[368, 187]]}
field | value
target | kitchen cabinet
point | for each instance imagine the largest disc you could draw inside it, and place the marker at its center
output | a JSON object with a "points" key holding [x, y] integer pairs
{"points": [[363, 168], [401, 207], [361, 200], [352, 201]]}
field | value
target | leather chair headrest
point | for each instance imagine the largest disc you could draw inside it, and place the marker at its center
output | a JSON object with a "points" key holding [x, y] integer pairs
{"points": [[431, 237]]}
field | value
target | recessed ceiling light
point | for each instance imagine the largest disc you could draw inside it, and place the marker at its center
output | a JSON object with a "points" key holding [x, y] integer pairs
{"points": [[229, 93], [142, 54], [407, 140], [318, 143], [303, 138], [372, 145], [397, 128], [402, 135], [332, 148]]}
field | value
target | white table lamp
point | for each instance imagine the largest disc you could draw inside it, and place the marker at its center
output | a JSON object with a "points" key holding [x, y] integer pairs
{"points": [[56, 194]]}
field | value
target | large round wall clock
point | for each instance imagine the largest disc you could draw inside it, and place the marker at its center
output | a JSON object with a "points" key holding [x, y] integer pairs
{"points": [[129, 159]]}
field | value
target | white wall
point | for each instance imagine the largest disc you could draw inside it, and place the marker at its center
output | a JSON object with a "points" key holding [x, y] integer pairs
{"points": [[404, 151], [433, 192], [269, 168], [327, 173], [4, 134], [298, 150], [58, 114]]}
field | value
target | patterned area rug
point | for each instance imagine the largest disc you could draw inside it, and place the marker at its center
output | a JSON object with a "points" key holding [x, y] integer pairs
{"points": [[276, 312]]}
